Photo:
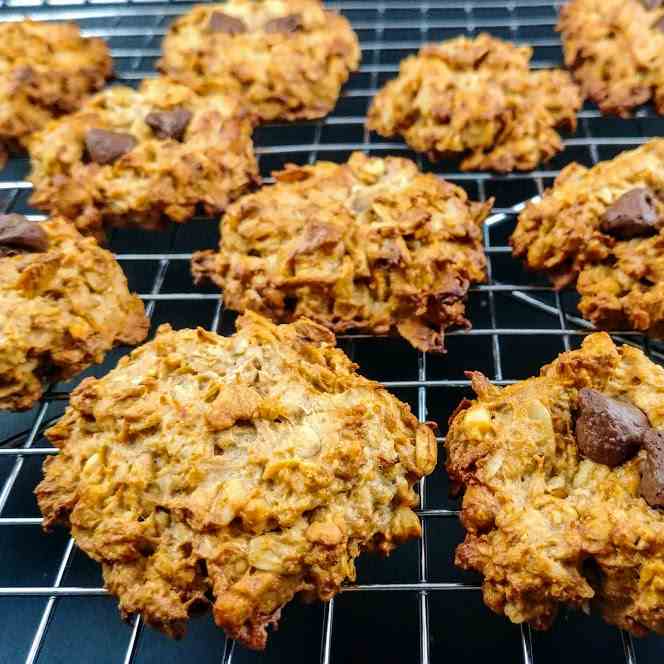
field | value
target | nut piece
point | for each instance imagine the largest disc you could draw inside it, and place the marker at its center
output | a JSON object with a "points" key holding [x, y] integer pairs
{"points": [[20, 235], [169, 124], [105, 147], [652, 469], [633, 214], [284, 24], [229, 25], [608, 431]]}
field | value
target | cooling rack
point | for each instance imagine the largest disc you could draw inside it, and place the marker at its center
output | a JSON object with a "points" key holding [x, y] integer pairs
{"points": [[414, 606]]}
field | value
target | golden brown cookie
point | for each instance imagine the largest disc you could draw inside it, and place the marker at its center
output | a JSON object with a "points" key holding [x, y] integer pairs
{"points": [[234, 471], [552, 520], [615, 49], [371, 245], [604, 227], [143, 157], [477, 98], [46, 70], [63, 303], [288, 59]]}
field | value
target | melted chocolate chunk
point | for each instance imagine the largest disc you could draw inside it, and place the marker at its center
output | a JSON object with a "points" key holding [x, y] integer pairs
{"points": [[20, 235], [652, 469], [284, 24], [227, 24], [608, 431], [633, 214], [169, 124], [659, 25], [23, 74], [651, 4], [105, 147]]}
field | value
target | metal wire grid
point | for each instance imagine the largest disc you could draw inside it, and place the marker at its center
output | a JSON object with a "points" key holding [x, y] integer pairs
{"points": [[388, 30]]}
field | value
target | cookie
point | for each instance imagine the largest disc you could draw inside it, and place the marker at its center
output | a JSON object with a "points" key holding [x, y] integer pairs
{"points": [[602, 227], [46, 70], [372, 245], [142, 158], [478, 99], [234, 471], [564, 485], [615, 50], [287, 59], [63, 303]]}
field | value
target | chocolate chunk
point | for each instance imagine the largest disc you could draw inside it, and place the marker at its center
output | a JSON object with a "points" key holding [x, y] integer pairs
{"points": [[659, 25], [229, 25], [169, 124], [651, 4], [608, 431], [633, 214], [284, 24], [105, 147], [20, 235], [652, 469], [23, 74]]}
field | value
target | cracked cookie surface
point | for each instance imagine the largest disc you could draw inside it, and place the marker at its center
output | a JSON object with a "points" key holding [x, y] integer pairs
{"points": [[46, 70], [371, 245], [143, 157], [586, 229], [615, 50], [479, 99], [545, 526], [287, 59], [63, 303], [234, 471]]}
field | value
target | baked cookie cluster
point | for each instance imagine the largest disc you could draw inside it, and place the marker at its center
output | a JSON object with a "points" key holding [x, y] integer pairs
{"points": [[235, 472], [371, 245], [477, 98], [615, 49], [602, 228], [63, 303], [46, 70], [287, 59], [143, 157], [563, 477]]}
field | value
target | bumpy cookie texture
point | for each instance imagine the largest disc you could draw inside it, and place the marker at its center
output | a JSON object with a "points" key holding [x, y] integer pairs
{"points": [[143, 157], [604, 226], [372, 245], [546, 526], [238, 471], [287, 59], [615, 49], [46, 70], [63, 303], [479, 99]]}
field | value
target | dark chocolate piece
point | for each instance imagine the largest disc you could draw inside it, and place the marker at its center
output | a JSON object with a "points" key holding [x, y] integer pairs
{"points": [[169, 124], [227, 24], [284, 24], [652, 469], [634, 214], [20, 235], [608, 431], [105, 147]]}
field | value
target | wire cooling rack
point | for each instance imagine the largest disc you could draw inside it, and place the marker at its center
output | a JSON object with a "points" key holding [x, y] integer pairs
{"points": [[415, 606]]}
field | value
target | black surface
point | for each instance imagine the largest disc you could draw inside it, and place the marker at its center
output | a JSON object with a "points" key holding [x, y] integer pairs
{"points": [[367, 626]]}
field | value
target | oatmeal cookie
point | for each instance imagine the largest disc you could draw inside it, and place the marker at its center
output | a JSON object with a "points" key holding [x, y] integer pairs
{"points": [[477, 98], [238, 471], [371, 245], [615, 49], [604, 225], [564, 478], [287, 59], [46, 70], [63, 303], [143, 157]]}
